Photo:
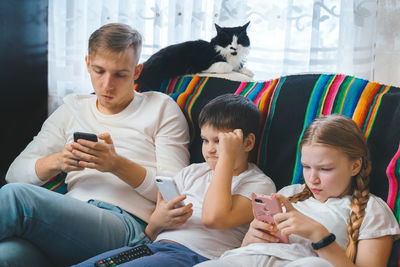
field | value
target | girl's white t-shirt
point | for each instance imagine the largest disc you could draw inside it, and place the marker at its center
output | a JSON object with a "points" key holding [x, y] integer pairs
{"points": [[334, 214]]}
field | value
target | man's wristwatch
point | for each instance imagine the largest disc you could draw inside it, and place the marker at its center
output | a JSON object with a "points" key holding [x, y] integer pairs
{"points": [[327, 240]]}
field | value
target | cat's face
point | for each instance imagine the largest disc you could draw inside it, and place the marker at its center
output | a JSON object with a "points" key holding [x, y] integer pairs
{"points": [[232, 42]]}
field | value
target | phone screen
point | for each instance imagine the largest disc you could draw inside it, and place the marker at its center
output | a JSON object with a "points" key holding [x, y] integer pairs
{"points": [[86, 136]]}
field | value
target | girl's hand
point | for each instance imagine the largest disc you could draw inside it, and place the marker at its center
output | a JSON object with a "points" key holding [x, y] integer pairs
{"points": [[294, 222], [166, 216], [259, 233]]}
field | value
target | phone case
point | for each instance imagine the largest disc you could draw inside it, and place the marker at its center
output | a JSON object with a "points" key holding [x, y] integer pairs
{"points": [[86, 136], [264, 209], [167, 187]]}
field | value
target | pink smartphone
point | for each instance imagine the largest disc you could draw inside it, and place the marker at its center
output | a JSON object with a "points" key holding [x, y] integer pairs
{"points": [[264, 209]]}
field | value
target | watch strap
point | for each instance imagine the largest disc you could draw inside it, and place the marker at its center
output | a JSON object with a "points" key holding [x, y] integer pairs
{"points": [[327, 240]]}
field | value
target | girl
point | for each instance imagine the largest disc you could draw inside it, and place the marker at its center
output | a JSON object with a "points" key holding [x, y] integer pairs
{"points": [[332, 220]]}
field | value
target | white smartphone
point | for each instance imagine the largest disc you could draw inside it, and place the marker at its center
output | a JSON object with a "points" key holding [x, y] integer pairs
{"points": [[168, 188]]}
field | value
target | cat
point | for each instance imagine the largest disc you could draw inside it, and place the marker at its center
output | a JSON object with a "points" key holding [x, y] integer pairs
{"points": [[226, 52]]}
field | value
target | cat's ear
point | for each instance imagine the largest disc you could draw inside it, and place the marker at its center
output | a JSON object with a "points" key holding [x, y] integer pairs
{"points": [[218, 28], [244, 27]]}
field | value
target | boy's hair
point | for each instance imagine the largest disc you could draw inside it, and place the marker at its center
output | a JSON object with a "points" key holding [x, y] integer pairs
{"points": [[115, 37], [231, 111], [342, 133]]}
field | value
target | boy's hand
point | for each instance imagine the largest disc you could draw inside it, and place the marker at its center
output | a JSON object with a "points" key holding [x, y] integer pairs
{"points": [[230, 143], [166, 216], [259, 233]]}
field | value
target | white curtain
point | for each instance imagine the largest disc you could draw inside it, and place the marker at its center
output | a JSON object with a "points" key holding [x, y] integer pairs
{"points": [[287, 36], [387, 52]]}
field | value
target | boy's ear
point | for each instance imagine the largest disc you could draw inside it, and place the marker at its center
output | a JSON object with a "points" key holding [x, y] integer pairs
{"points": [[249, 142]]}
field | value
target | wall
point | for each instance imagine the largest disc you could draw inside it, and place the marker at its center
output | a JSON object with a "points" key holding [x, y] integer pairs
{"points": [[23, 75]]}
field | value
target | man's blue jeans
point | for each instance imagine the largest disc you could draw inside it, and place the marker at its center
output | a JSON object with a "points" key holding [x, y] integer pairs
{"points": [[64, 229]]}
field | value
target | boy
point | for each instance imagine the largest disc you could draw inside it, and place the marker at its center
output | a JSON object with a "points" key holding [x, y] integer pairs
{"points": [[217, 193]]}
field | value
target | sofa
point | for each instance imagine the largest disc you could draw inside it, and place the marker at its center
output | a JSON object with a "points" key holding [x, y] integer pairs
{"points": [[287, 105]]}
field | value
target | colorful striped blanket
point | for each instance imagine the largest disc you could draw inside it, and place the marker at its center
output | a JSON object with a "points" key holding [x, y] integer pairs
{"points": [[288, 104]]}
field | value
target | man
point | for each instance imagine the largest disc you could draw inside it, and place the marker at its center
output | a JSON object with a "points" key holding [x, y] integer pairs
{"points": [[111, 188]]}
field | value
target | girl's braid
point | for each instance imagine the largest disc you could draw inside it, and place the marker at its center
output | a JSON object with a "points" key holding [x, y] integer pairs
{"points": [[358, 205]]}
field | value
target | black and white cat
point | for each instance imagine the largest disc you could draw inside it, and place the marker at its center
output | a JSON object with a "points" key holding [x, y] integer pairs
{"points": [[226, 52]]}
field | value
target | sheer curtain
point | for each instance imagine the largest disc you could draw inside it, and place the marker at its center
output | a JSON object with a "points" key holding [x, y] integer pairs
{"points": [[287, 36], [387, 54]]}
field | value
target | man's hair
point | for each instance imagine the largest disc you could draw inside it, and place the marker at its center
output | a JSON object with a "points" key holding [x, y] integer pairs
{"points": [[231, 112], [115, 37]]}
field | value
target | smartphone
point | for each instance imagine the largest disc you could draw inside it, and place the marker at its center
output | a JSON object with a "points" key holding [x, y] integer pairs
{"points": [[168, 188], [86, 136], [264, 209]]}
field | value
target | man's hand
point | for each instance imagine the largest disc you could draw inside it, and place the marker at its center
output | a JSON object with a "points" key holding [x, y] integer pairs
{"points": [[259, 233], [103, 157], [51, 165], [69, 162], [96, 155], [166, 216]]}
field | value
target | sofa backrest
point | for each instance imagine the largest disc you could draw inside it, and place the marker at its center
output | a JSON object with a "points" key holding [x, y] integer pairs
{"points": [[288, 104]]}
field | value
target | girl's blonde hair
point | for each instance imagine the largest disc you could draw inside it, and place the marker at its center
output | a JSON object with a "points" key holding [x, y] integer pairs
{"points": [[342, 133]]}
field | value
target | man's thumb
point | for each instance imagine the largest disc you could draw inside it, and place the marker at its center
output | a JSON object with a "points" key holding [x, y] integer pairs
{"points": [[106, 137]]}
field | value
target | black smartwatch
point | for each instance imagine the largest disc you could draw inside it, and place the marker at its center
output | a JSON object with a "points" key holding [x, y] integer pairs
{"points": [[327, 240]]}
